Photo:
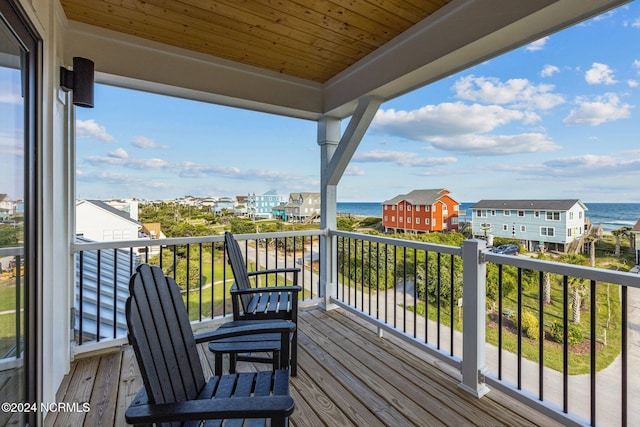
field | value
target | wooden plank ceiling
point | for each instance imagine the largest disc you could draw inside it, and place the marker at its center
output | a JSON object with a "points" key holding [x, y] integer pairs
{"points": [[309, 39]]}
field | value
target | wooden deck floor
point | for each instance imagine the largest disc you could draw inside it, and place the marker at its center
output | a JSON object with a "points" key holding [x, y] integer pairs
{"points": [[347, 376]]}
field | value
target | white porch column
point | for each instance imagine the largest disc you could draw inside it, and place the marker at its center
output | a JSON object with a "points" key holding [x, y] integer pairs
{"points": [[328, 139], [336, 152], [473, 318]]}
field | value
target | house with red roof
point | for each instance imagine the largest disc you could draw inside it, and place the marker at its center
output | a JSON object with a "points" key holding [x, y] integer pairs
{"points": [[420, 211]]}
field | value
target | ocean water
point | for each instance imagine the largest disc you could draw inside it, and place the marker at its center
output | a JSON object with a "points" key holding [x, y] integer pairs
{"points": [[611, 215]]}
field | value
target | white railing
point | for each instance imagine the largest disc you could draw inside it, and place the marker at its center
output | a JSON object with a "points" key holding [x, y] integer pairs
{"points": [[442, 299]]}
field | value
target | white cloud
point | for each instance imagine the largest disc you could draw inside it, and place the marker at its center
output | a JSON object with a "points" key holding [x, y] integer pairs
{"points": [[549, 70], [518, 93], [632, 83], [119, 153], [90, 129], [592, 171], [353, 170], [593, 165], [144, 142], [148, 164], [139, 164], [8, 98], [122, 180], [537, 45], [446, 119], [600, 74], [496, 145], [603, 109], [188, 169], [636, 64], [636, 23], [401, 158]]}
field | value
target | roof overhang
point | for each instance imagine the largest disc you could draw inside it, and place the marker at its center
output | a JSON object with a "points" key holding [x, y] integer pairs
{"points": [[457, 36]]}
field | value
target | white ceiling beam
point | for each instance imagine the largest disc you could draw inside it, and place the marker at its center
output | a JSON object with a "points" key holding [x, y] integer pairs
{"points": [[461, 34], [137, 63], [358, 125]]}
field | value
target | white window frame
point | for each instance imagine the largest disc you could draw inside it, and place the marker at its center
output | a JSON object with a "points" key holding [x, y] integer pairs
{"points": [[546, 231], [551, 216]]}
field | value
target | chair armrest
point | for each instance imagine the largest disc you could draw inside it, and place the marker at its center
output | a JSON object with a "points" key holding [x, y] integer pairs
{"points": [[141, 412], [247, 328], [275, 270], [293, 289]]}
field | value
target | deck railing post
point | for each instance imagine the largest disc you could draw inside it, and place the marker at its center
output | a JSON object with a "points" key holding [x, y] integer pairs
{"points": [[474, 318], [328, 139]]}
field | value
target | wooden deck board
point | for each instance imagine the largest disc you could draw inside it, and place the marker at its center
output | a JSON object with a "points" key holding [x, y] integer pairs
{"points": [[104, 396], [347, 376], [426, 382]]}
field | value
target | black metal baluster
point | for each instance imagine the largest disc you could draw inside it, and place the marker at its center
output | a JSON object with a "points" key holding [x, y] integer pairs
{"points": [[404, 289], [377, 280], [565, 344], [188, 275], [213, 280], [592, 303], [81, 299], [361, 276], [341, 266], [541, 337], [519, 373], [200, 282], [369, 268], [395, 283], [18, 261], [438, 289], [349, 266], [500, 303], [175, 261], [115, 292], [624, 354], [224, 279], [275, 241], [131, 260], [415, 293], [452, 310], [98, 292], [386, 281], [426, 296]]}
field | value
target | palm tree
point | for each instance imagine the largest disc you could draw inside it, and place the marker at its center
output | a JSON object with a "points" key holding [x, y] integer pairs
{"points": [[546, 283], [547, 288], [618, 234], [591, 240], [578, 286]]}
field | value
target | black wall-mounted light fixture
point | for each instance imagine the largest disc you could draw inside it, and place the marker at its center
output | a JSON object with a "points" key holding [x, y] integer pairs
{"points": [[80, 81]]}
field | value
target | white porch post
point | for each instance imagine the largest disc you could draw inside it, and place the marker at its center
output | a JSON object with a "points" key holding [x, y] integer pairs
{"points": [[328, 139], [473, 318], [336, 152]]}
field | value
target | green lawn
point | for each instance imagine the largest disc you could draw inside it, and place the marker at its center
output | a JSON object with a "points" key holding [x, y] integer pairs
{"points": [[607, 317]]}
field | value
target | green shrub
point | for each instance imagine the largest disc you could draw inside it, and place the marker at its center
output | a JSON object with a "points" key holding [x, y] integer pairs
{"points": [[529, 325], [574, 334]]}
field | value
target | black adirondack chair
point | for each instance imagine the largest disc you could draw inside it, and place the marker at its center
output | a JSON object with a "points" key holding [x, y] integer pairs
{"points": [[260, 303], [175, 390]]}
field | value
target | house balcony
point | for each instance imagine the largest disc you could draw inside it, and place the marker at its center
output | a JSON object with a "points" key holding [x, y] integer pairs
{"points": [[347, 376], [392, 331]]}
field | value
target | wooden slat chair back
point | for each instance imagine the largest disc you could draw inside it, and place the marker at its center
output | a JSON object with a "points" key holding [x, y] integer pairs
{"points": [[175, 388], [159, 325], [239, 269], [269, 302]]}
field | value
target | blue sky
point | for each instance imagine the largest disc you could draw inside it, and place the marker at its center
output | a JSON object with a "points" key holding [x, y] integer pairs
{"points": [[555, 119]]}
